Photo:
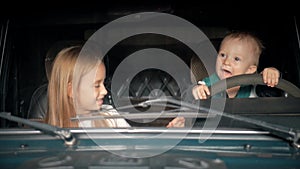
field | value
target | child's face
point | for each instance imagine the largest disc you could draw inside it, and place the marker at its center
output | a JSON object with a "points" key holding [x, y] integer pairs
{"points": [[235, 57], [92, 90]]}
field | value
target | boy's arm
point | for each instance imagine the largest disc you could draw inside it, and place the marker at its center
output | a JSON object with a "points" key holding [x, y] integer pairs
{"points": [[271, 76]]}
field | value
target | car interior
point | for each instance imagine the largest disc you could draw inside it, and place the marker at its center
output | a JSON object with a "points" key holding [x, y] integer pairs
{"points": [[30, 37], [251, 132]]}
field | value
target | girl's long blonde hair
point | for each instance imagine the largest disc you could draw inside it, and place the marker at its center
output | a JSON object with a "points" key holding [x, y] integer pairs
{"points": [[61, 107]]}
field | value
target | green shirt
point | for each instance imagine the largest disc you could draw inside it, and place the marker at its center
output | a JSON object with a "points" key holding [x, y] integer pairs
{"points": [[244, 91]]}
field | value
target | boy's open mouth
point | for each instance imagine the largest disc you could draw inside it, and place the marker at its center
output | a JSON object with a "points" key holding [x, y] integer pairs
{"points": [[226, 73]]}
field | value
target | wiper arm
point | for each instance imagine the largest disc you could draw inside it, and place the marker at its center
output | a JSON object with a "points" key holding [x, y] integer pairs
{"points": [[152, 115], [180, 104], [147, 103], [290, 134], [175, 112], [65, 134]]}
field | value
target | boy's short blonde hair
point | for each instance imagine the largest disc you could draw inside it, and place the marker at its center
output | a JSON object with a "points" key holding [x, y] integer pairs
{"points": [[249, 37]]}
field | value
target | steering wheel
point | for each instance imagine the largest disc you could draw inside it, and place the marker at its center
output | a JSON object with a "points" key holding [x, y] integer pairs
{"points": [[252, 79]]}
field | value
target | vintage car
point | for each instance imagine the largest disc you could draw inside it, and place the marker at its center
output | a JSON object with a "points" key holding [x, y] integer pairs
{"points": [[153, 54]]}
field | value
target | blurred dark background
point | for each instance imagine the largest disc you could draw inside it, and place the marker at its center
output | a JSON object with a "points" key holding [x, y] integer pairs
{"points": [[33, 28]]}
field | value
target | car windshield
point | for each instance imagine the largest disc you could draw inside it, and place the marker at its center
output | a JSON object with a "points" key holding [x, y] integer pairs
{"points": [[153, 57], [29, 38]]}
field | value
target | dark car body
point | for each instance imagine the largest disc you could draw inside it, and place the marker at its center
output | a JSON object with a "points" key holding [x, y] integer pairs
{"points": [[252, 133]]}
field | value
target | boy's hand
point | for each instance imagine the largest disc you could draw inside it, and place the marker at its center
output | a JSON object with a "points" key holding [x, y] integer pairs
{"points": [[200, 92], [270, 76]]}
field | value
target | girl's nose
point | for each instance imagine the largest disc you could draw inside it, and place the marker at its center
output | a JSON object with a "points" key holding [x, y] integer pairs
{"points": [[103, 91]]}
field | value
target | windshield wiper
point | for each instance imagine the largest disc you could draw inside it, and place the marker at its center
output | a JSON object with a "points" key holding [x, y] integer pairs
{"points": [[289, 134], [64, 134], [152, 115], [175, 111]]}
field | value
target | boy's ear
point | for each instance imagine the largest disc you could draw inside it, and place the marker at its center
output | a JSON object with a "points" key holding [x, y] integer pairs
{"points": [[252, 69], [70, 90]]}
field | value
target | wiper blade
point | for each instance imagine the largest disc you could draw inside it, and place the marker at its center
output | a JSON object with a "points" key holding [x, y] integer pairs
{"points": [[65, 134], [175, 111], [290, 134], [152, 115], [147, 103]]}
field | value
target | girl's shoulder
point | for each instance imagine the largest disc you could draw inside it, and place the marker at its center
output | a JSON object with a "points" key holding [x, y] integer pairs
{"points": [[107, 106], [109, 109]]}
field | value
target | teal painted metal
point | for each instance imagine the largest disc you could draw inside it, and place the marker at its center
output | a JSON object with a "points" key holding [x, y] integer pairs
{"points": [[37, 150]]}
